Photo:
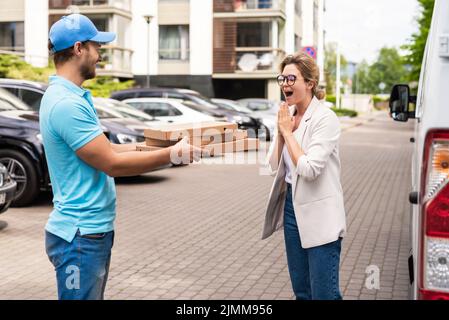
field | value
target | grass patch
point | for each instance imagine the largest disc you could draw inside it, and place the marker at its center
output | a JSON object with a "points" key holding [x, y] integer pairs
{"points": [[345, 112]]}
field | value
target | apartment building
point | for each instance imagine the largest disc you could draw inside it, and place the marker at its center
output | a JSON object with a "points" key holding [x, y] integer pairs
{"points": [[222, 48]]}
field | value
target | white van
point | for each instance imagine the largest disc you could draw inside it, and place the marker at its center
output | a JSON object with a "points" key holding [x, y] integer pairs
{"points": [[429, 260]]}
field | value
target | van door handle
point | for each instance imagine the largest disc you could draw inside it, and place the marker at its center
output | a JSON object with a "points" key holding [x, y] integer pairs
{"points": [[413, 197], [412, 140]]}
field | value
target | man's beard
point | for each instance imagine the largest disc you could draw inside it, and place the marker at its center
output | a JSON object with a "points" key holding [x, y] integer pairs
{"points": [[87, 72]]}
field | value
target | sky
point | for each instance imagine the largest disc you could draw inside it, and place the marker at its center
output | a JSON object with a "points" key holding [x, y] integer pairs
{"points": [[365, 26]]}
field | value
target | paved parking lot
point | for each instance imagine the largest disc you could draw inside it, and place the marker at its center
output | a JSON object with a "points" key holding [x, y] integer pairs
{"points": [[194, 232]]}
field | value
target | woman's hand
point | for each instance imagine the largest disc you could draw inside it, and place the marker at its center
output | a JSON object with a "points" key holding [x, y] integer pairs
{"points": [[286, 122]]}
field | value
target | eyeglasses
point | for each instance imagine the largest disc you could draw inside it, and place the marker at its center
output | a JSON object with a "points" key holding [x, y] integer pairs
{"points": [[291, 79]]}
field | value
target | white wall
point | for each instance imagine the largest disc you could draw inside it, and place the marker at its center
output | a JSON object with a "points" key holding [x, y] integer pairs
{"points": [[201, 35], [12, 10], [307, 20], [139, 37], [290, 26], [36, 32]]}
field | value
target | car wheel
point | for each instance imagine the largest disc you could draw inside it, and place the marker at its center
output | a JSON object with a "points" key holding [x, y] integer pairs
{"points": [[21, 169]]}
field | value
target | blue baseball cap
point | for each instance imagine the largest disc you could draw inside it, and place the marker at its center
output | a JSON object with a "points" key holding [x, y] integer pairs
{"points": [[70, 29]]}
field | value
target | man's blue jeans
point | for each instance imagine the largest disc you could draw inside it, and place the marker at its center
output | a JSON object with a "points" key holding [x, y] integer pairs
{"points": [[314, 272], [81, 266]]}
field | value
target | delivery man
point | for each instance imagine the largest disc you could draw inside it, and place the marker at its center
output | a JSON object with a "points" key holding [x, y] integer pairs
{"points": [[82, 163]]}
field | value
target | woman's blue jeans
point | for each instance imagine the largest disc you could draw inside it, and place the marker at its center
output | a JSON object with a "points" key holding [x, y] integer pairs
{"points": [[314, 272]]}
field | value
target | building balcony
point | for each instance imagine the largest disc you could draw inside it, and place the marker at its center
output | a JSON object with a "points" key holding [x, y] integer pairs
{"points": [[249, 63], [249, 8], [116, 62], [259, 5], [121, 7]]}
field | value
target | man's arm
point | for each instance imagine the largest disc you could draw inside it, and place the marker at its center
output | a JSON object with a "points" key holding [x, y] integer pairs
{"points": [[119, 148], [99, 154]]}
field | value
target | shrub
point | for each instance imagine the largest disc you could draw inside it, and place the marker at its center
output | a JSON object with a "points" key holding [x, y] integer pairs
{"points": [[14, 67], [345, 112], [332, 99], [104, 86]]}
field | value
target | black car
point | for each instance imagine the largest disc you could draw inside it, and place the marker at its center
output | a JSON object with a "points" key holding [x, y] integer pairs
{"points": [[197, 102], [21, 148], [119, 130], [7, 189], [22, 153]]}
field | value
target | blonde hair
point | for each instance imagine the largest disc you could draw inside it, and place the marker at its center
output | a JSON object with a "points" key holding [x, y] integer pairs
{"points": [[308, 69]]}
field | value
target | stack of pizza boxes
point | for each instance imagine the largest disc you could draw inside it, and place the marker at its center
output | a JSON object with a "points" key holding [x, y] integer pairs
{"points": [[216, 137]]}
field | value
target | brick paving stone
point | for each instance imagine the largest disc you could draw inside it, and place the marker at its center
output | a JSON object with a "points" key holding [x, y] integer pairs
{"points": [[180, 236]]}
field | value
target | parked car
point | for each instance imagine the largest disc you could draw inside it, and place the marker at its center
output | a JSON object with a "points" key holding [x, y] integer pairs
{"points": [[216, 113], [21, 148], [167, 110], [7, 189], [30, 93], [231, 105], [124, 110], [197, 102], [263, 108], [267, 119], [263, 105], [429, 210]]}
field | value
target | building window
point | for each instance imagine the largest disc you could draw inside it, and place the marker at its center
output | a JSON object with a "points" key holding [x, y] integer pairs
{"points": [[254, 34], [174, 42], [254, 4], [298, 42], [100, 22], [12, 36]]}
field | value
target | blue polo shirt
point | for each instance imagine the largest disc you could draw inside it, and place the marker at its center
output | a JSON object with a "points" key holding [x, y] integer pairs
{"points": [[84, 197]]}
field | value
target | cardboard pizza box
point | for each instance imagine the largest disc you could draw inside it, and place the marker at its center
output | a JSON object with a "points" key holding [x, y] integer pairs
{"points": [[178, 131], [227, 136], [159, 143], [247, 144]]}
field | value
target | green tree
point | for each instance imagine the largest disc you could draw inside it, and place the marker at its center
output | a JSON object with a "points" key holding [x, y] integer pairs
{"points": [[418, 41], [388, 69], [330, 67], [104, 86], [361, 78], [14, 67]]}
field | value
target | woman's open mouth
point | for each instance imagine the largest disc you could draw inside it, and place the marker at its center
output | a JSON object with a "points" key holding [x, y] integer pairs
{"points": [[288, 94]]}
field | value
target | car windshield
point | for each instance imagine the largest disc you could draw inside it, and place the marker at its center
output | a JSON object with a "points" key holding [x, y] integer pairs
{"points": [[8, 101], [125, 110], [257, 105], [105, 113], [230, 105], [202, 100], [135, 114]]}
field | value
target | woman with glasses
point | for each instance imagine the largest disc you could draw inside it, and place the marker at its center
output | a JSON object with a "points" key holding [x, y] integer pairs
{"points": [[307, 197]]}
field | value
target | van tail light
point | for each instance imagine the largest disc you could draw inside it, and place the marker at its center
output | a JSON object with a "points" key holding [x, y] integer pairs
{"points": [[434, 246]]}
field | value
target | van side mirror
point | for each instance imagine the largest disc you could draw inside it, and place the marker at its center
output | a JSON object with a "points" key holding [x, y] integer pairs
{"points": [[400, 100]]}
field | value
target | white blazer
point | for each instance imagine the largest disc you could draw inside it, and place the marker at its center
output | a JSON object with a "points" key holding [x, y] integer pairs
{"points": [[316, 188]]}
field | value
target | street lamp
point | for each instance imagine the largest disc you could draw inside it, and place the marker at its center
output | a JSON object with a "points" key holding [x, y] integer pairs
{"points": [[148, 20]]}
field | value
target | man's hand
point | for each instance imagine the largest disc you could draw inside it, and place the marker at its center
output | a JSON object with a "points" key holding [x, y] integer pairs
{"points": [[185, 153]]}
